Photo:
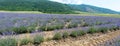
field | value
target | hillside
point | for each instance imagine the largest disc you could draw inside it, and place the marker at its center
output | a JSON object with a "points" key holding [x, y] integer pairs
{"points": [[46, 6], [92, 9]]}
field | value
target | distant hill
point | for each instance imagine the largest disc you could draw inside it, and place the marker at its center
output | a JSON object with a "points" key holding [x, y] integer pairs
{"points": [[47, 6], [92, 9], [44, 6]]}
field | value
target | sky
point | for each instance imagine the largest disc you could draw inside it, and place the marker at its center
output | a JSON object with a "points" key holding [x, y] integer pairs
{"points": [[110, 4]]}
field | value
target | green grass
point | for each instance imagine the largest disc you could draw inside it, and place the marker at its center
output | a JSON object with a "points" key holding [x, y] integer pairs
{"points": [[98, 14], [33, 12], [76, 13]]}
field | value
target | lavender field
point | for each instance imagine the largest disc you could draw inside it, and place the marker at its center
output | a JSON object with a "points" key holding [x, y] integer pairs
{"points": [[22, 23], [59, 23], [16, 23]]}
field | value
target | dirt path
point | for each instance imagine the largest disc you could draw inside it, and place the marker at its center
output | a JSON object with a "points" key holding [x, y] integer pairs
{"points": [[97, 39]]}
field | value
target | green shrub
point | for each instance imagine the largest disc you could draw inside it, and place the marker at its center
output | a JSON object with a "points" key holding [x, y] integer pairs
{"points": [[59, 26], [85, 24], [111, 28], [30, 29], [65, 35], [103, 29], [80, 33], [114, 28], [50, 28], [25, 41], [72, 25], [42, 28], [1, 31], [38, 39], [8, 42], [92, 30], [57, 36], [118, 27], [74, 34], [20, 29], [98, 23]]}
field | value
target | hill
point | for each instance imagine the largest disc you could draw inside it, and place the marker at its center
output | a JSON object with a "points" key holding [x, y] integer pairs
{"points": [[46, 6], [92, 9]]}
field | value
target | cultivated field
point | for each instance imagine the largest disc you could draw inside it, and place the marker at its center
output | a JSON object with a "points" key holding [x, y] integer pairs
{"points": [[32, 29]]}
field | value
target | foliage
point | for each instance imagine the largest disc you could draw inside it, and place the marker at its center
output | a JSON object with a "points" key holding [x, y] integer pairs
{"points": [[92, 30], [57, 36], [8, 42], [65, 35], [103, 29], [85, 24], [23, 29], [30, 29], [115, 27], [49, 28], [19, 30], [38, 39], [25, 41], [98, 23], [47, 6], [74, 34], [80, 33], [44, 6], [72, 25]]}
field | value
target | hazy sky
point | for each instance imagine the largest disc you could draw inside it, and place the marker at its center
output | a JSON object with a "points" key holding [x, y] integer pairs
{"points": [[110, 4]]}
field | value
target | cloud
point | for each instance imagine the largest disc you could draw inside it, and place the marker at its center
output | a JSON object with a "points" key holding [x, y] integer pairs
{"points": [[69, 1]]}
